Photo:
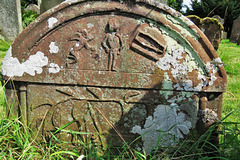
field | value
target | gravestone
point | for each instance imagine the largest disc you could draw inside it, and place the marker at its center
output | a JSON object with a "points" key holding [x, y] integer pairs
{"points": [[136, 68], [211, 27], [235, 34], [48, 4], [10, 19], [213, 30], [220, 20], [224, 35], [33, 7], [195, 19]]}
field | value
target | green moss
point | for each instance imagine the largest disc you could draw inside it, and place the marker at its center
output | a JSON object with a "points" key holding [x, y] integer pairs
{"points": [[206, 20], [194, 16]]}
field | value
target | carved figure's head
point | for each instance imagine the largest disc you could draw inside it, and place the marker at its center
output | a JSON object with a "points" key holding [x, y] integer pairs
{"points": [[84, 33], [113, 25]]}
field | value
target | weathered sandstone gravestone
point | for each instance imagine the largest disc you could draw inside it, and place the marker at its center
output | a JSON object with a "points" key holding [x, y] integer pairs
{"points": [[211, 27], [138, 68], [10, 19], [235, 34]]}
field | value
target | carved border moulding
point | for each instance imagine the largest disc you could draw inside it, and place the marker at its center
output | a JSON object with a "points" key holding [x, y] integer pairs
{"points": [[139, 68]]}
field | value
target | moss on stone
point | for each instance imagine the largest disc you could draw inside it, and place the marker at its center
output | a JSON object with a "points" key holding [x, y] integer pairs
{"points": [[206, 20]]}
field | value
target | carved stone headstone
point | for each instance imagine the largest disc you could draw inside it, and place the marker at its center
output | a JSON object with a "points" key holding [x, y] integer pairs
{"points": [[10, 19], [235, 34], [136, 68], [211, 27]]}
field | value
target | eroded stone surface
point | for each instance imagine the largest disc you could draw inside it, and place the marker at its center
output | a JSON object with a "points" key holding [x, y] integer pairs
{"points": [[141, 67]]}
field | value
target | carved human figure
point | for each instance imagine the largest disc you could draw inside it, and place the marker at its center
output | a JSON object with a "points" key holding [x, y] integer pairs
{"points": [[113, 43]]}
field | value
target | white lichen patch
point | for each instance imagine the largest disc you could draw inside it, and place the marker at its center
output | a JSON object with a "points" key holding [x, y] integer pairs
{"points": [[12, 67], [166, 126], [202, 84], [71, 1], [53, 48], [51, 22], [53, 68], [218, 61], [212, 69], [188, 85], [208, 116], [172, 61], [90, 25]]}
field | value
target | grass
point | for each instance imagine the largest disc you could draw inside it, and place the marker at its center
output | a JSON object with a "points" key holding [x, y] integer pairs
{"points": [[16, 141], [3, 48], [230, 55]]}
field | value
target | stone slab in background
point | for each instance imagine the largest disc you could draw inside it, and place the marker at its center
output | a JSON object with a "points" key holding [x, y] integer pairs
{"points": [[235, 34], [33, 7], [48, 4], [224, 35], [220, 20], [211, 27], [142, 67], [10, 19]]}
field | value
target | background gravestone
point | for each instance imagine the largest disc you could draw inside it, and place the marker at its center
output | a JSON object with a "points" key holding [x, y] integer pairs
{"points": [[235, 34], [47, 4], [211, 27], [195, 19], [224, 35], [220, 20], [10, 19], [33, 7], [139, 68], [213, 30]]}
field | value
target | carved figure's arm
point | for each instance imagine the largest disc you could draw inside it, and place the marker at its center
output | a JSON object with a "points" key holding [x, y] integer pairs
{"points": [[120, 41], [104, 43]]}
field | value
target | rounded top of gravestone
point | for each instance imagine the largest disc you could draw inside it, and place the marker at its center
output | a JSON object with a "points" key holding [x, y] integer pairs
{"points": [[128, 44], [204, 21], [221, 20], [195, 19], [32, 7], [208, 21]]}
